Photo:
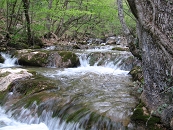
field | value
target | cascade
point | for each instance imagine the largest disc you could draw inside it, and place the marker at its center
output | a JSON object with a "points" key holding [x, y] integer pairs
{"points": [[84, 61], [7, 123], [95, 95], [8, 61], [108, 59]]}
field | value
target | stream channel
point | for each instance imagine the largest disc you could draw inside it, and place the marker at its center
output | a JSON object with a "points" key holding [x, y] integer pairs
{"points": [[95, 95]]}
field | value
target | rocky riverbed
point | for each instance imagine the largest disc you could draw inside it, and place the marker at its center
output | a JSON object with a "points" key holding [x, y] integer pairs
{"points": [[79, 89]]}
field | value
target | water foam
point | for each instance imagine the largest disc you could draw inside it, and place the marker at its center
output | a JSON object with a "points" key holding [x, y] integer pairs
{"points": [[92, 69], [7, 123], [85, 67], [9, 61]]}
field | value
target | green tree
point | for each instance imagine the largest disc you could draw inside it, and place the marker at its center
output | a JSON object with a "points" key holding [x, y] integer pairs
{"points": [[64, 19]]}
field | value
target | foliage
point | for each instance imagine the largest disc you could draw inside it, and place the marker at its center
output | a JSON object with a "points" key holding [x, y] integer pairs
{"points": [[66, 19]]}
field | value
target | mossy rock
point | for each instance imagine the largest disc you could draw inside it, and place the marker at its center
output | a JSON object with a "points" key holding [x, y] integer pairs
{"points": [[33, 90], [75, 116], [136, 73], [38, 98], [71, 57], [31, 99], [3, 94], [120, 49], [149, 121], [70, 112], [96, 56], [31, 86], [39, 59], [91, 119], [75, 112], [27, 101], [62, 59], [66, 55]]}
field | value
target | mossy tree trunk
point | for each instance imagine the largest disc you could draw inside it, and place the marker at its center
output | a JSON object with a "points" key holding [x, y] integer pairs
{"points": [[155, 32]]}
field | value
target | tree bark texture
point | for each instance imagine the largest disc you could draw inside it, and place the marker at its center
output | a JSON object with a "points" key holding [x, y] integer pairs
{"points": [[155, 33]]}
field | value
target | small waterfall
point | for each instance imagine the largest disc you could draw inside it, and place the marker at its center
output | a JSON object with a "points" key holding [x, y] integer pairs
{"points": [[69, 117], [93, 96], [118, 60], [44, 121], [8, 61], [84, 60], [7, 123]]}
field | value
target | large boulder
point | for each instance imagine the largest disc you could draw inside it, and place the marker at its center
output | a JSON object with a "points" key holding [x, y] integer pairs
{"points": [[8, 75], [42, 58]]}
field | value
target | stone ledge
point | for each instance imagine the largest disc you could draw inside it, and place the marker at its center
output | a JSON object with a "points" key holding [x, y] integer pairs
{"points": [[8, 75]]}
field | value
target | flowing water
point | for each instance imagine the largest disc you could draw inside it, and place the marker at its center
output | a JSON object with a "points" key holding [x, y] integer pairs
{"points": [[7, 123], [8, 61], [100, 84]]}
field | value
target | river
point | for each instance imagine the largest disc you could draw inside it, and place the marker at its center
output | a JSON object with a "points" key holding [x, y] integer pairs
{"points": [[103, 86]]}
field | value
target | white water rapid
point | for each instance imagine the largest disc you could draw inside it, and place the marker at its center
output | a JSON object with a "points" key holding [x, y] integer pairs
{"points": [[85, 67], [8, 61], [105, 87], [101, 86], [8, 123]]}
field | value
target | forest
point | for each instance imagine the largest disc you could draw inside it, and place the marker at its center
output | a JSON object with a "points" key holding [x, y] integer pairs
{"points": [[29, 21]]}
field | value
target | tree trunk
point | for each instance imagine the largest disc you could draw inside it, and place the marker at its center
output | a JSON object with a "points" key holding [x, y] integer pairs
{"points": [[12, 14], [49, 21], [155, 32], [26, 11], [126, 31]]}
